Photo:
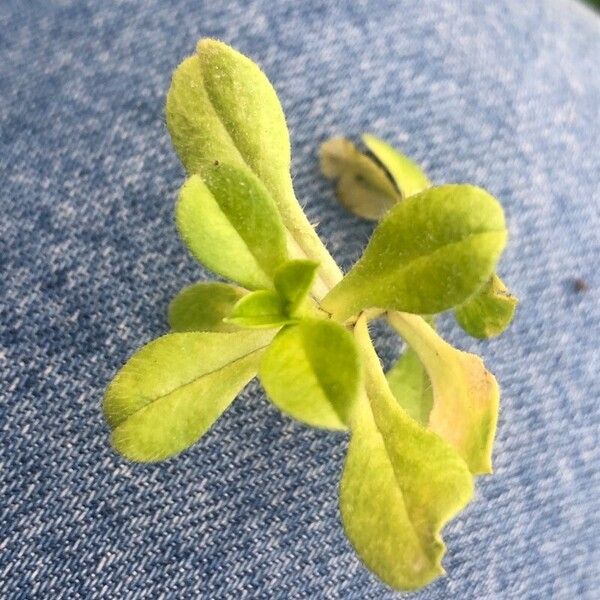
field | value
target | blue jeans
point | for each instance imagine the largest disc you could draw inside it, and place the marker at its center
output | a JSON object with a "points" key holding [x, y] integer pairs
{"points": [[505, 94]]}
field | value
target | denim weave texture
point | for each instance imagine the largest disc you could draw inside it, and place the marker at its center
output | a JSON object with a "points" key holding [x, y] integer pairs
{"points": [[503, 94]]}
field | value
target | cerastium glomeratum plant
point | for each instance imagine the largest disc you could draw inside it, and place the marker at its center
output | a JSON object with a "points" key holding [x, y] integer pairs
{"points": [[419, 434]]}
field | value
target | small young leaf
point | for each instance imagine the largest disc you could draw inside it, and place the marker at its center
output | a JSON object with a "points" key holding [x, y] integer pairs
{"points": [[489, 312], [312, 372], [429, 253], [260, 309], [401, 484], [293, 281], [173, 389], [411, 386], [203, 306], [230, 224], [465, 395], [363, 187], [407, 175]]}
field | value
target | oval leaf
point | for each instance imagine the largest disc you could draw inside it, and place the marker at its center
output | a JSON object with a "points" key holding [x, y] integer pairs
{"points": [[429, 253], [312, 372], [203, 306], [407, 175], [172, 390], [230, 224], [489, 312], [221, 107], [466, 396]]}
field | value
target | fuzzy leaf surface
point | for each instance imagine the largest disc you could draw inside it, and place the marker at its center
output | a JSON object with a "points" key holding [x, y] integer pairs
{"points": [[407, 175], [172, 390], [260, 309], [466, 396], [401, 484], [429, 253], [293, 281], [231, 225], [362, 186], [312, 372]]}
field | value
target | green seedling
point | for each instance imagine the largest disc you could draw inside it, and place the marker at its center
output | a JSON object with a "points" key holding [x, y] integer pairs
{"points": [[290, 316]]}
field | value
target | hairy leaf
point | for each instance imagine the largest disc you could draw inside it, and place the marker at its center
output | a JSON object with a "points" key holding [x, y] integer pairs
{"points": [[429, 253], [401, 484], [230, 224], [203, 306], [407, 175], [363, 187], [465, 395], [489, 312], [221, 107], [261, 309], [173, 389], [312, 372], [293, 281]]}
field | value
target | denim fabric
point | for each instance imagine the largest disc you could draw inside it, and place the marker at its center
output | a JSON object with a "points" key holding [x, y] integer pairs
{"points": [[505, 94]]}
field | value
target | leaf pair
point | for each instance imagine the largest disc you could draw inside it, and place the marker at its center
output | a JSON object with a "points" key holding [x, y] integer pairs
{"points": [[282, 306], [489, 311], [221, 109]]}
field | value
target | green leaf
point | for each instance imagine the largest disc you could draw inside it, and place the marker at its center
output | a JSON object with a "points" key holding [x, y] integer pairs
{"points": [[261, 309], [489, 312], [293, 281], [230, 224], [407, 175], [465, 395], [411, 386], [401, 484], [429, 253], [221, 108], [311, 371], [203, 306], [362, 187], [173, 389]]}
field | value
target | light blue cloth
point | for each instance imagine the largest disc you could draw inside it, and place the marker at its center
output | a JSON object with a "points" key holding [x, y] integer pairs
{"points": [[504, 94]]}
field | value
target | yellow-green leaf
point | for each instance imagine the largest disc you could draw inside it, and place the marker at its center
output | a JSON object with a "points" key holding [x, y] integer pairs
{"points": [[172, 390], [203, 306], [489, 312], [401, 484], [230, 224], [429, 253], [465, 394], [312, 372]]}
